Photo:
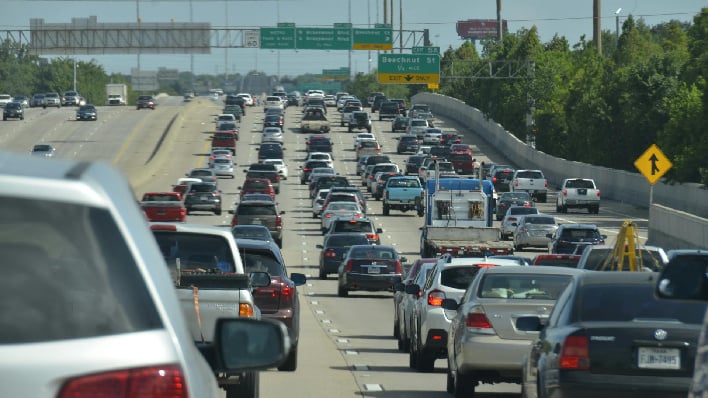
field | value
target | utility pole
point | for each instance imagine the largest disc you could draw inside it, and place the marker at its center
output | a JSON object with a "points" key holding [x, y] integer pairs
{"points": [[228, 40], [400, 25], [596, 25], [191, 56], [617, 23], [385, 11], [349, 51], [500, 30]]}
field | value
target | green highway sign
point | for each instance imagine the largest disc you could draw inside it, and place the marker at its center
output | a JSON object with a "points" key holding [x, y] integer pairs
{"points": [[382, 25], [280, 38], [425, 50], [372, 39], [344, 25], [286, 24], [409, 68], [323, 38], [336, 74]]}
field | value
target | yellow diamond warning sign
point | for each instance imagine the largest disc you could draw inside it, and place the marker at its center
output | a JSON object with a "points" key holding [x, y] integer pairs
{"points": [[653, 164]]}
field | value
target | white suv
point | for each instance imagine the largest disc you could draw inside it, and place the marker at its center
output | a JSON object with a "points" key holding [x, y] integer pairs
{"points": [[88, 304], [429, 321]]}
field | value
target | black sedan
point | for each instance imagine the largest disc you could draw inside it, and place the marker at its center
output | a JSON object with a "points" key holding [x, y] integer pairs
{"points": [[369, 268], [87, 112], [508, 199], [610, 336], [413, 164], [334, 248]]}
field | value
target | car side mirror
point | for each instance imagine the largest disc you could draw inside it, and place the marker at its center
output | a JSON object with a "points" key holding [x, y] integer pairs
{"points": [[379, 230], [259, 279], [603, 236], [298, 278], [550, 236], [238, 187], [683, 279], [282, 212], [529, 324], [319, 246], [412, 289], [450, 304], [232, 212], [267, 344]]}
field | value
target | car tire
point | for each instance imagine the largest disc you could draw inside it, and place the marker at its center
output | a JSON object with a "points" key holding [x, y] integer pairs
{"points": [[595, 209], [412, 354], [248, 386], [342, 291], [386, 209], [217, 212], [290, 364], [518, 247], [279, 242], [465, 385], [314, 215], [323, 274]]}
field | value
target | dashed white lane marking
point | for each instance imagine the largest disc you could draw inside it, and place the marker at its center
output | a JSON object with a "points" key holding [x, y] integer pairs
{"points": [[326, 321], [343, 341], [314, 302], [319, 312], [360, 367], [334, 331], [351, 352], [373, 387]]}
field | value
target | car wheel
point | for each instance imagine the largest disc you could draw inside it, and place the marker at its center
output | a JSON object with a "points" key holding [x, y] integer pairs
{"points": [[290, 363], [247, 386], [342, 291], [323, 274], [564, 209], [464, 385], [386, 209], [4, 119], [412, 353], [279, 242], [517, 247], [396, 329], [217, 212], [314, 215]]}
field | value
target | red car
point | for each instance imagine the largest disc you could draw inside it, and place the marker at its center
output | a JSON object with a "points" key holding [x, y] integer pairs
{"points": [[258, 185], [461, 148]]}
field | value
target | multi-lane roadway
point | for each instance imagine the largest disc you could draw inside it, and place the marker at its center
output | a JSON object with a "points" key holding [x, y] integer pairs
{"points": [[346, 345]]}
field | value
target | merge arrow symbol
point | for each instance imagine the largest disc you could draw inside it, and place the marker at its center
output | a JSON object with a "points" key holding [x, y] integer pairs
{"points": [[408, 78], [654, 159]]}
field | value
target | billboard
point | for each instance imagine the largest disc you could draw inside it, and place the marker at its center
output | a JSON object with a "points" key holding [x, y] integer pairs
{"points": [[474, 29]]}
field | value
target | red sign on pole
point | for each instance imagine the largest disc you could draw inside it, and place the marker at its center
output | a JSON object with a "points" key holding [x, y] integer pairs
{"points": [[474, 29]]}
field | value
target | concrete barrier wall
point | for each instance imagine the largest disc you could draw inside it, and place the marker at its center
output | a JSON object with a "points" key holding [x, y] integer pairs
{"points": [[672, 229], [616, 185]]}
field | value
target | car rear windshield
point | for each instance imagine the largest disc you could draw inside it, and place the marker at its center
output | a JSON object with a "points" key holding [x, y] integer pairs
{"points": [[346, 240], [67, 274], [419, 123], [460, 157], [257, 260], [504, 174], [252, 184], [580, 184], [352, 226], [195, 251], [529, 174], [650, 259], [227, 126], [372, 251], [202, 188], [523, 210], [624, 303], [539, 220], [224, 136], [523, 287], [458, 277], [256, 210]]}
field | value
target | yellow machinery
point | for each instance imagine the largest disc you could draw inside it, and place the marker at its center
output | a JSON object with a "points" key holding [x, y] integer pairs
{"points": [[625, 249]]}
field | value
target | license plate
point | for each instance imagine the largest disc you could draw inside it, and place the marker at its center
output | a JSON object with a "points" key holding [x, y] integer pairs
{"points": [[373, 269], [658, 358], [257, 222], [204, 197]]}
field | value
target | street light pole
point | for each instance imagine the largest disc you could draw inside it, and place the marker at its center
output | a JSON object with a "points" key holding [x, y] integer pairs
{"points": [[617, 23]]}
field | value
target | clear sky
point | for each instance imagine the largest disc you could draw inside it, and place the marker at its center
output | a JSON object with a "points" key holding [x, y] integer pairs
{"points": [[569, 18]]}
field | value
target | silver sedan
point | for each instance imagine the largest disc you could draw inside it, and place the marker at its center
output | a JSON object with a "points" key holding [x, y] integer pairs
{"points": [[484, 344], [533, 230]]}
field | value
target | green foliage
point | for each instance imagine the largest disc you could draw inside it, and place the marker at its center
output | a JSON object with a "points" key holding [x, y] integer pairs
{"points": [[649, 86]]}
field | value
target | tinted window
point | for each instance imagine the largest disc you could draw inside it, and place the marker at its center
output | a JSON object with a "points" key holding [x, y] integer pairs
{"points": [[529, 174], [460, 157], [372, 251], [539, 220], [621, 303], [261, 261], [202, 188], [580, 184], [67, 273], [458, 277], [357, 226], [257, 210], [650, 259], [559, 262], [247, 232], [346, 240], [523, 210], [251, 184], [196, 252]]}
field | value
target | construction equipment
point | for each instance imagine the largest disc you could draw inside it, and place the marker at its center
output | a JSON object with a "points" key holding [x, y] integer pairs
{"points": [[625, 249]]}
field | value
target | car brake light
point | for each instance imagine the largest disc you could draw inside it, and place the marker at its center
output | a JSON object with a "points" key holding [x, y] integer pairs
{"points": [[575, 353], [163, 227], [523, 230], [330, 253], [328, 215], [565, 192], [545, 183], [511, 219], [348, 266], [155, 381], [399, 268], [494, 179], [516, 182], [306, 169], [476, 318], [435, 298], [598, 193], [372, 237], [278, 221]]}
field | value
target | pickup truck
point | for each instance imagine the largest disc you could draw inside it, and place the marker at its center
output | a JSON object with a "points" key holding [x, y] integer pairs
{"points": [[578, 193], [359, 120], [403, 193], [211, 283], [314, 120], [531, 181], [163, 206], [347, 111]]}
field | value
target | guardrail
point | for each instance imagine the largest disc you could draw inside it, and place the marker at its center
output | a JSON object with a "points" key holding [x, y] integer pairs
{"points": [[680, 209]]}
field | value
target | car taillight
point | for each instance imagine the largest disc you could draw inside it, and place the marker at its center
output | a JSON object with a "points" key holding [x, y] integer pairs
{"points": [[399, 268], [565, 192], [476, 318], [494, 179], [277, 178], [328, 215], [155, 381], [516, 182], [305, 169], [182, 213], [163, 227], [435, 298], [575, 353], [598, 193], [348, 266], [357, 215], [234, 220], [523, 230], [330, 253], [511, 219], [245, 310], [278, 221]]}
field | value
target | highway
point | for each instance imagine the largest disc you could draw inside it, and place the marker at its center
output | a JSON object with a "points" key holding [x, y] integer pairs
{"points": [[346, 345]]}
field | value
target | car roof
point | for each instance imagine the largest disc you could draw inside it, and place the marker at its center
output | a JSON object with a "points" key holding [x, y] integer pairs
{"points": [[577, 226], [523, 269]]}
